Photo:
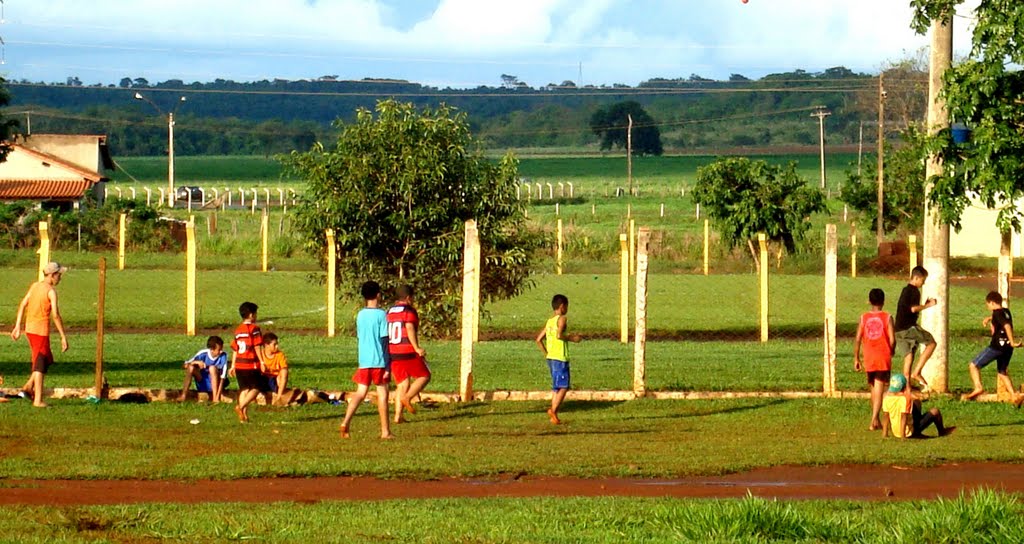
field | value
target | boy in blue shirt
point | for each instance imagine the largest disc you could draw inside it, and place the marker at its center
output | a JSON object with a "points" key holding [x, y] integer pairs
{"points": [[209, 369], [374, 361]]}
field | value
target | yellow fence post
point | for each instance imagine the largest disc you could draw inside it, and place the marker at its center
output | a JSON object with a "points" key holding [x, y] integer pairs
{"points": [[558, 254], [476, 284], [632, 247], [623, 289], [470, 280], [122, 231], [831, 277], [707, 245], [44, 247], [265, 234], [853, 255], [912, 242], [640, 336], [190, 277], [332, 276], [762, 240]]}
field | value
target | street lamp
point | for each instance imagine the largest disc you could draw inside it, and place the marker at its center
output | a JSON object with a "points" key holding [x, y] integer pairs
{"points": [[170, 143]]}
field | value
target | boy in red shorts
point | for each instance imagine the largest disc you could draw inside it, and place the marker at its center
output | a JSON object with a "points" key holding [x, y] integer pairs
{"points": [[875, 334], [408, 365], [38, 306], [247, 360], [374, 361]]}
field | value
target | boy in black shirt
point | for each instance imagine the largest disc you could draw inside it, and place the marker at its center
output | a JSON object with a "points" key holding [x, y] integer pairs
{"points": [[1000, 349], [908, 334]]}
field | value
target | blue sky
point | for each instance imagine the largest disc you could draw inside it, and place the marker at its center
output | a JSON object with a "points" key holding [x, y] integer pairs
{"points": [[456, 43]]}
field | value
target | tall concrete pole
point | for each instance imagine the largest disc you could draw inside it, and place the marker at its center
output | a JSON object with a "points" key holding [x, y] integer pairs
{"points": [[936, 232]]}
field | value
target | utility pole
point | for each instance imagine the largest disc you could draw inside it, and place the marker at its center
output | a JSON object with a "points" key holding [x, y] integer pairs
{"points": [[629, 153], [936, 232], [879, 227], [860, 147], [821, 114]]}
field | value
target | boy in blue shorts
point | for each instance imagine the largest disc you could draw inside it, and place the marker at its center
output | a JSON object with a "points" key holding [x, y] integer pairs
{"points": [[554, 343], [374, 360], [208, 369], [999, 349]]}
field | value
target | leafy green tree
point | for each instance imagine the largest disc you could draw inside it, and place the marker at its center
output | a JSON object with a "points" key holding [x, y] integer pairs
{"points": [[984, 92], [611, 124], [8, 126], [745, 197], [904, 185], [397, 187]]}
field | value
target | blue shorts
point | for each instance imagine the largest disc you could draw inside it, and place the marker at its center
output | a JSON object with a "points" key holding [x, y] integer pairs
{"points": [[559, 374], [989, 354], [271, 384], [205, 384]]}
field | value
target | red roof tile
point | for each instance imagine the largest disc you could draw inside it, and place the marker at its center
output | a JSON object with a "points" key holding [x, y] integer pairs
{"points": [[32, 189]]}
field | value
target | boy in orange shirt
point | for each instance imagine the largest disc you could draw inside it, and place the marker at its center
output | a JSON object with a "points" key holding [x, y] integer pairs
{"points": [[38, 306], [275, 367], [875, 334]]}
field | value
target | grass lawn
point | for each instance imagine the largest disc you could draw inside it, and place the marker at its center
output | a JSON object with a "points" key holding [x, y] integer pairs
{"points": [[986, 517], [646, 438]]}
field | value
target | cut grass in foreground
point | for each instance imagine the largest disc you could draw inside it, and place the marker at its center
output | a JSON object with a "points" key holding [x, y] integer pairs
{"points": [[983, 517], [645, 438]]}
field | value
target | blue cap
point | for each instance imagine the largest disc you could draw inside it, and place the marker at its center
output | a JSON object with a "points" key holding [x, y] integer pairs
{"points": [[897, 383]]}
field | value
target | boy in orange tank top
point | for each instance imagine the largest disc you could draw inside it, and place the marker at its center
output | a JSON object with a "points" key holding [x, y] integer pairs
{"points": [[37, 308], [875, 335]]}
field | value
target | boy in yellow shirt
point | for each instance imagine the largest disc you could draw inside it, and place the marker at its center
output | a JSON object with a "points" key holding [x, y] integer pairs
{"points": [[903, 417], [554, 343], [275, 366]]}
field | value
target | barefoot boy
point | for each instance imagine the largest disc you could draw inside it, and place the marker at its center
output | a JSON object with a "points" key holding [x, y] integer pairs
{"points": [[553, 342], [875, 334], [408, 365], [275, 368], [903, 417], [372, 332], [909, 335], [247, 359], [1000, 349], [208, 369], [38, 306]]}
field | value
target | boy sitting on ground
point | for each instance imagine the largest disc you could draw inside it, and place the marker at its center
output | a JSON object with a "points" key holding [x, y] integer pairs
{"points": [[208, 369], [275, 369], [903, 417]]}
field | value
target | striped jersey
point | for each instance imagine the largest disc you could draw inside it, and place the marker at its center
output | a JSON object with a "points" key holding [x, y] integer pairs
{"points": [[399, 345], [247, 337]]}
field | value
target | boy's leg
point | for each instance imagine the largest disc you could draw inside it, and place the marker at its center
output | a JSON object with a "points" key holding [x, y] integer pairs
{"points": [[400, 391], [37, 389], [908, 361], [925, 355], [417, 387], [215, 386], [877, 391], [190, 372], [978, 388], [556, 402], [382, 409], [353, 404], [933, 416]]}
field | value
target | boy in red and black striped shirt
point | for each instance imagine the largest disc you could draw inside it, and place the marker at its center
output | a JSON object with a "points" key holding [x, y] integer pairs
{"points": [[408, 363], [247, 359]]}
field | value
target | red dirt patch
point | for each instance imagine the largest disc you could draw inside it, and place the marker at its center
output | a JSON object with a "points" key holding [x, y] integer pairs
{"points": [[855, 482]]}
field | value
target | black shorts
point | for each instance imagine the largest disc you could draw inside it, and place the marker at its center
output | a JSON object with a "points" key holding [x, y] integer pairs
{"points": [[250, 379], [880, 375]]}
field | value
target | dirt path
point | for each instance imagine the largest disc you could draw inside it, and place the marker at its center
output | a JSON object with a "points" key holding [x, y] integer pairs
{"points": [[856, 482]]}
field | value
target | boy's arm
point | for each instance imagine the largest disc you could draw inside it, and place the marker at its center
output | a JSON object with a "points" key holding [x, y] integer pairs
{"points": [[231, 370], [16, 331], [562, 321], [282, 381], [856, 348], [903, 424], [1009, 335], [540, 340], [892, 335], [410, 333], [57, 321], [927, 304]]}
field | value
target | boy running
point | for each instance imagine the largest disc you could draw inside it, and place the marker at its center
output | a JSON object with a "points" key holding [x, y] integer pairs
{"points": [[374, 360], [553, 342], [408, 365], [999, 349], [875, 334], [908, 334], [247, 359], [38, 306]]}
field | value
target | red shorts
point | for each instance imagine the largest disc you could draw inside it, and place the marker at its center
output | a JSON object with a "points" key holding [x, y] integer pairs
{"points": [[370, 376], [410, 368], [42, 357]]}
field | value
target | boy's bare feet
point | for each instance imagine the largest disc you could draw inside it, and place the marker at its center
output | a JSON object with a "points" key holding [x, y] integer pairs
{"points": [[948, 431], [972, 395], [408, 405], [344, 432], [875, 426], [242, 417], [388, 436], [920, 379], [553, 417], [40, 405], [399, 420], [1018, 401]]}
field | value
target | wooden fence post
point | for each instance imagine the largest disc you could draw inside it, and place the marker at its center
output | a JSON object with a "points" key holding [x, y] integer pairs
{"points": [[122, 232], [332, 276], [623, 289], [632, 246], [190, 277], [558, 253], [831, 276], [44, 247], [470, 279], [762, 241], [707, 245], [265, 235], [1005, 265], [853, 254], [640, 336], [101, 299], [476, 284]]}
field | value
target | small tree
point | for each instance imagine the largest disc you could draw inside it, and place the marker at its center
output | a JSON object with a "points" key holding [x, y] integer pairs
{"points": [[612, 122], [397, 187], [904, 185], [745, 197]]}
